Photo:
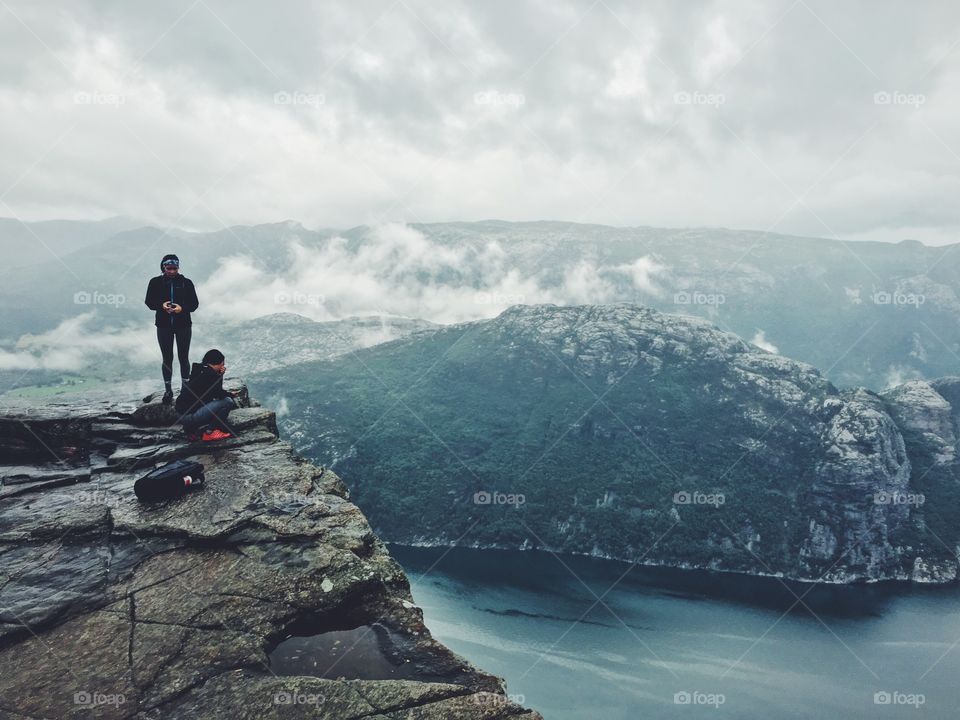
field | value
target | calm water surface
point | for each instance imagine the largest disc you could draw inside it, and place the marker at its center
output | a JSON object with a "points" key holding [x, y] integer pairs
{"points": [[676, 644]]}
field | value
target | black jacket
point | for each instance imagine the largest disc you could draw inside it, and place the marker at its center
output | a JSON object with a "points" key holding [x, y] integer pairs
{"points": [[179, 290], [205, 385]]}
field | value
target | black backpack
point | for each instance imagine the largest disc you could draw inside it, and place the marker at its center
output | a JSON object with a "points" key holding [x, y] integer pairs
{"points": [[169, 481]]}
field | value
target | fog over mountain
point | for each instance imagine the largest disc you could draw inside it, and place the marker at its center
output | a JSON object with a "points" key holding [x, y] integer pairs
{"points": [[869, 313]]}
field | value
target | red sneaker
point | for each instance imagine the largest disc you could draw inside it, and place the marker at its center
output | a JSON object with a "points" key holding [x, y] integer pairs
{"points": [[215, 435], [192, 437]]}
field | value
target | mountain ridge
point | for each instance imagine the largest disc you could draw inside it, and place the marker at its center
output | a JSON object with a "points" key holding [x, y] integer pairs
{"points": [[670, 401]]}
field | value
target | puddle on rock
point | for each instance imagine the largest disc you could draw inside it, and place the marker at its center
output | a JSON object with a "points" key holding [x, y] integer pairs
{"points": [[355, 654]]}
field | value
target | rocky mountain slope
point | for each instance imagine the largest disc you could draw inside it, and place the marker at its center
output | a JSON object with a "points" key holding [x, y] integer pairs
{"points": [[867, 313], [623, 432], [264, 594]]}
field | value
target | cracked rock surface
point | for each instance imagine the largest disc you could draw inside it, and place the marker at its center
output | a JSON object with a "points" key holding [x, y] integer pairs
{"points": [[111, 608]]}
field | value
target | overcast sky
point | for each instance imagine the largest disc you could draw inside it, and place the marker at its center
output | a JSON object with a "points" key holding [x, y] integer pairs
{"points": [[813, 118]]}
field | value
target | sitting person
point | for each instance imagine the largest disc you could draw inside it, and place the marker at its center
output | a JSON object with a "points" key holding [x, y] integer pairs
{"points": [[203, 404]]}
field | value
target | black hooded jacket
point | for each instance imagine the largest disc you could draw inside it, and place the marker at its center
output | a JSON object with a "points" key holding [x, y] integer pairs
{"points": [[179, 290], [205, 385]]}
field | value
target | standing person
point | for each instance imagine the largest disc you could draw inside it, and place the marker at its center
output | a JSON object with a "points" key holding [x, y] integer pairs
{"points": [[172, 297], [203, 404]]}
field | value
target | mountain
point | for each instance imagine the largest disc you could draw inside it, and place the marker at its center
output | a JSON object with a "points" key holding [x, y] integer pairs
{"points": [[263, 593], [119, 266], [281, 339], [28, 243], [619, 431], [867, 313]]}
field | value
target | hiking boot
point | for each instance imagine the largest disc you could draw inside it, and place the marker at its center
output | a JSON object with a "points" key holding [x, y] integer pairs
{"points": [[167, 397], [215, 435]]}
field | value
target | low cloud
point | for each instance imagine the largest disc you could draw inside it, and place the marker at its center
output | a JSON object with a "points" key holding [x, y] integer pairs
{"points": [[394, 271], [899, 374], [77, 343], [400, 271], [760, 340]]}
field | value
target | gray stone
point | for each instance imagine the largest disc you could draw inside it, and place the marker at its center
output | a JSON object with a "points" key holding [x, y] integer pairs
{"points": [[115, 609]]}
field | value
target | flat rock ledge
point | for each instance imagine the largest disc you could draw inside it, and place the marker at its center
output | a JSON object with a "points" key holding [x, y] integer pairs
{"points": [[113, 609]]}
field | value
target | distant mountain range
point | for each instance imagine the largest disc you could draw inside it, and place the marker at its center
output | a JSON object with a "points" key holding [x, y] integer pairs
{"points": [[258, 345], [276, 341], [866, 313], [620, 431], [24, 244]]}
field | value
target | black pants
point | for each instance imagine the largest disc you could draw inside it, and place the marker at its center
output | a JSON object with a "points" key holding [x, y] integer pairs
{"points": [[165, 336]]}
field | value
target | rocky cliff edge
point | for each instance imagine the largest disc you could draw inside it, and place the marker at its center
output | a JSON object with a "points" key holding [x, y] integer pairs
{"points": [[239, 600]]}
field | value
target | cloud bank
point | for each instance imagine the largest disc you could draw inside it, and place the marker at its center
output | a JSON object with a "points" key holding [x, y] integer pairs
{"points": [[400, 271], [77, 344], [808, 118]]}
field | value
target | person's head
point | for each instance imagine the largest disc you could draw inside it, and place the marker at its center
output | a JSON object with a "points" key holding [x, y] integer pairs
{"points": [[170, 265], [215, 359]]}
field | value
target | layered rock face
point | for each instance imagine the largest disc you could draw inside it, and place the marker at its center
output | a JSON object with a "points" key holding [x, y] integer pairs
{"points": [[865, 461], [922, 407], [928, 415], [263, 594]]}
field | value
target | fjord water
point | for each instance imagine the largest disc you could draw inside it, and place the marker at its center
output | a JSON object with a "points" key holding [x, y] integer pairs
{"points": [[682, 644]]}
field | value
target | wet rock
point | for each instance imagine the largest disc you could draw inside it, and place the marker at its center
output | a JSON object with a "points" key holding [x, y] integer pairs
{"points": [[241, 695], [112, 608]]}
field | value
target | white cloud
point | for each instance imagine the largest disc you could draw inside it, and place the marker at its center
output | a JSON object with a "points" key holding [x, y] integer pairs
{"points": [[401, 271], [77, 343], [899, 374], [718, 51], [642, 272], [198, 140], [760, 340]]}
